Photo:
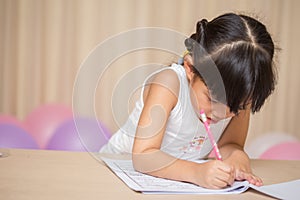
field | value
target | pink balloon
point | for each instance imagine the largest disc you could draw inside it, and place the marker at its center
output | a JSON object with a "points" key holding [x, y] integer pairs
{"points": [[43, 121], [283, 151], [79, 134]]}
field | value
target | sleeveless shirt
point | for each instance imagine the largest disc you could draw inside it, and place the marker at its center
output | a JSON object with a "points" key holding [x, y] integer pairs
{"points": [[185, 136]]}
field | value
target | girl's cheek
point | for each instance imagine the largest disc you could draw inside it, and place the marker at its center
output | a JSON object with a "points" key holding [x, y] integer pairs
{"points": [[194, 100]]}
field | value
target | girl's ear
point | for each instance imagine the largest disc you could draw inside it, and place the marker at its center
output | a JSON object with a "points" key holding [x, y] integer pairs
{"points": [[188, 64]]}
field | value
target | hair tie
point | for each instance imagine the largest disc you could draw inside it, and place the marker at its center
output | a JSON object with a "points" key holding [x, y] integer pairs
{"points": [[186, 52], [180, 60]]}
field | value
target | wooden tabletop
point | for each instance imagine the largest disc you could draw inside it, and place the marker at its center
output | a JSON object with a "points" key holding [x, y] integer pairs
{"points": [[40, 174]]}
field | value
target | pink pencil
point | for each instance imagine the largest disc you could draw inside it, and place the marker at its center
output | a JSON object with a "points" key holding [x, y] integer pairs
{"points": [[210, 136]]}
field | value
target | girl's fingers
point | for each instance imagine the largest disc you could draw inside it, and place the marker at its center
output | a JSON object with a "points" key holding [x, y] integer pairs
{"points": [[250, 178], [256, 181], [219, 183], [226, 174], [224, 167]]}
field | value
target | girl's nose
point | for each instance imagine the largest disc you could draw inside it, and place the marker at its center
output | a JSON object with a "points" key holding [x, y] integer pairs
{"points": [[222, 115]]}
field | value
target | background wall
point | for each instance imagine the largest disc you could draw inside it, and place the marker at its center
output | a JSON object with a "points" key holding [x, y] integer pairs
{"points": [[44, 42]]}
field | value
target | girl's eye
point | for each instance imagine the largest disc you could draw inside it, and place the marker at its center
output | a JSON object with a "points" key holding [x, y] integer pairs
{"points": [[211, 99], [214, 101]]}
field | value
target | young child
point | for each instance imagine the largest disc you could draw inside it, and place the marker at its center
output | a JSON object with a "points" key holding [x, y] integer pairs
{"points": [[164, 132]]}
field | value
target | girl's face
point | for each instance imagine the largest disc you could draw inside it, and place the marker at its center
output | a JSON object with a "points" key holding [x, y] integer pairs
{"points": [[201, 99]]}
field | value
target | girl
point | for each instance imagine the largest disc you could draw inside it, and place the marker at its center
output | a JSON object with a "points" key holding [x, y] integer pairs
{"points": [[228, 73]]}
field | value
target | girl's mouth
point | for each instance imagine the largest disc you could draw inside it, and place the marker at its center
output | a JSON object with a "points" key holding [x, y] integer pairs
{"points": [[211, 121]]}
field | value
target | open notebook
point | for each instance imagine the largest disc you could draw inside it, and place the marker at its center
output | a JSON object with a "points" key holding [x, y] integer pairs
{"points": [[153, 185]]}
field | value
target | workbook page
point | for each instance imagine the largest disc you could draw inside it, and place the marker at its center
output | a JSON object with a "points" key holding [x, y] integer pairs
{"points": [[149, 184]]}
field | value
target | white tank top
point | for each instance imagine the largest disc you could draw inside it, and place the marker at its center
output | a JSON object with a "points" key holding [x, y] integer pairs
{"points": [[185, 136]]}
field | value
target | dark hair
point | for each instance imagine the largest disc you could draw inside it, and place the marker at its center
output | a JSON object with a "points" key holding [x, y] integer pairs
{"points": [[242, 50]]}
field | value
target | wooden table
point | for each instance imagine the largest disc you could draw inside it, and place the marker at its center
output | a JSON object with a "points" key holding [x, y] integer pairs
{"points": [[55, 175]]}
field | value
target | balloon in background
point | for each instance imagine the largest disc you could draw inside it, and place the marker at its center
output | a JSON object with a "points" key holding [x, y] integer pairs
{"points": [[8, 119], [12, 136], [283, 151], [42, 122], [84, 135], [264, 142]]}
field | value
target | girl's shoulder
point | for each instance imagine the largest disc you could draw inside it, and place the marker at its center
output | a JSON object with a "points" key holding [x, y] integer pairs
{"points": [[164, 84], [167, 78]]}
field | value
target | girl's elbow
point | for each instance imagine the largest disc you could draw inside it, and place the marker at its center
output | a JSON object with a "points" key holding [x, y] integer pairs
{"points": [[138, 162], [146, 161]]}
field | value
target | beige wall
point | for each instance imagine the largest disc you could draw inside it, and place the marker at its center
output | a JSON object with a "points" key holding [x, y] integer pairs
{"points": [[43, 43]]}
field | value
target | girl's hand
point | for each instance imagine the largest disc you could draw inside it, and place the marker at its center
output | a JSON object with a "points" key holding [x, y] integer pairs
{"points": [[240, 163], [214, 175]]}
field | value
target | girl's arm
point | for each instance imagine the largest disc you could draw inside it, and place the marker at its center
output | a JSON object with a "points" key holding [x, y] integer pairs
{"points": [[231, 147], [160, 97]]}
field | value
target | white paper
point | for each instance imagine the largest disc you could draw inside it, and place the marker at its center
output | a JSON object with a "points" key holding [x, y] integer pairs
{"points": [[287, 190], [153, 185]]}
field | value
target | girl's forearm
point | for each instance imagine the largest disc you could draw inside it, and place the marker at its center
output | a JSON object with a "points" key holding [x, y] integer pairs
{"points": [[230, 149], [160, 164]]}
